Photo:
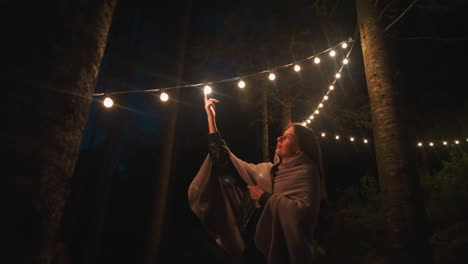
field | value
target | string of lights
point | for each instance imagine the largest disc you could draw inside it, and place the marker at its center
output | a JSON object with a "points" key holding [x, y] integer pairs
{"points": [[339, 137], [241, 80], [330, 89], [441, 143]]}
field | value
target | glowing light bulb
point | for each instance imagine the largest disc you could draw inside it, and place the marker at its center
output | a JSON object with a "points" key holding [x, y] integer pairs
{"points": [[311, 117], [365, 141], [338, 75], [337, 137], [297, 67], [344, 45], [325, 97], [431, 144], [272, 76], [108, 102], [445, 143], [317, 60], [207, 89], [320, 105], [457, 142], [351, 138], [419, 144], [332, 53], [303, 123], [164, 97], [467, 140], [308, 121], [345, 61], [317, 112], [241, 84], [331, 87], [323, 134]]}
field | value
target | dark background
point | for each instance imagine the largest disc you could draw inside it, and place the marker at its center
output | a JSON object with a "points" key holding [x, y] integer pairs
{"points": [[121, 148]]}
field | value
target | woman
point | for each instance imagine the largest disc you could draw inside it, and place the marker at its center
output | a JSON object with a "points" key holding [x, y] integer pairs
{"points": [[289, 191]]}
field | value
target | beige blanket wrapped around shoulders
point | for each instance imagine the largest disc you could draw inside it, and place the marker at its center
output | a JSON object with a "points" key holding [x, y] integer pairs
{"points": [[286, 226]]}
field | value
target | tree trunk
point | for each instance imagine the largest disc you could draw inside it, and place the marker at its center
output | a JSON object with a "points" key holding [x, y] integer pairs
{"points": [[53, 52], [405, 222], [264, 126], [159, 214], [286, 115]]}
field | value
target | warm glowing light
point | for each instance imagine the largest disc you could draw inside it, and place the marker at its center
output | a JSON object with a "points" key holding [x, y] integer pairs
{"points": [[297, 67], [351, 138], [332, 53], [325, 97], [272, 76], [331, 87], [344, 45], [320, 105], [108, 102], [164, 97], [419, 144], [457, 142], [308, 121], [241, 84], [337, 137], [317, 112], [303, 123], [207, 89], [311, 117], [317, 60], [431, 144], [338, 75], [323, 134], [345, 61], [445, 142], [365, 141]]}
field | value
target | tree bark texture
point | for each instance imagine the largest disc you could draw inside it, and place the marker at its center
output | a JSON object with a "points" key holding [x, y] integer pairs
{"points": [[405, 221], [53, 50]]}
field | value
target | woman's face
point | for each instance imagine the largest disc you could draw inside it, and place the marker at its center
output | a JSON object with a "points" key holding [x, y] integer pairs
{"points": [[288, 145]]}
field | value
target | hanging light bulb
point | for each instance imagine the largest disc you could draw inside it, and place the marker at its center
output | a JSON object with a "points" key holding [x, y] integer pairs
{"points": [[308, 121], [241, 84], [320, 105], [338, 75], [332, 53], [108, 102], [365, 141], [325, 97], [164, 97], [317, 112], [344, 45], [420, 144], [311, 117], [431, 144], [304, 123], [323, 134], [337, 137], [351, 139], [331, 87], [345, 61], [207, 89], [457, 142], [297, 67], [445, 143], [317, 60], [272, 76]]}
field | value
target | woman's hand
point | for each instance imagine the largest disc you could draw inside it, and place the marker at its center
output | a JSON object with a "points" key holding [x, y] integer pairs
{"points": [[255, 192], [210, 109]]}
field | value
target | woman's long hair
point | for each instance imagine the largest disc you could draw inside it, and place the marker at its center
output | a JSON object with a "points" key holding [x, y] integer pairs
{"points": [[309, 143]]}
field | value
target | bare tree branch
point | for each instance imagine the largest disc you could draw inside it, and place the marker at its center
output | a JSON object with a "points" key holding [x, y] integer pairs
{"points": [[400, 16]]}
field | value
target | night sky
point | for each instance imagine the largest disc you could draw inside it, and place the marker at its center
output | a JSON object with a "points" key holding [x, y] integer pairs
{"points": [[233, 38]]}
